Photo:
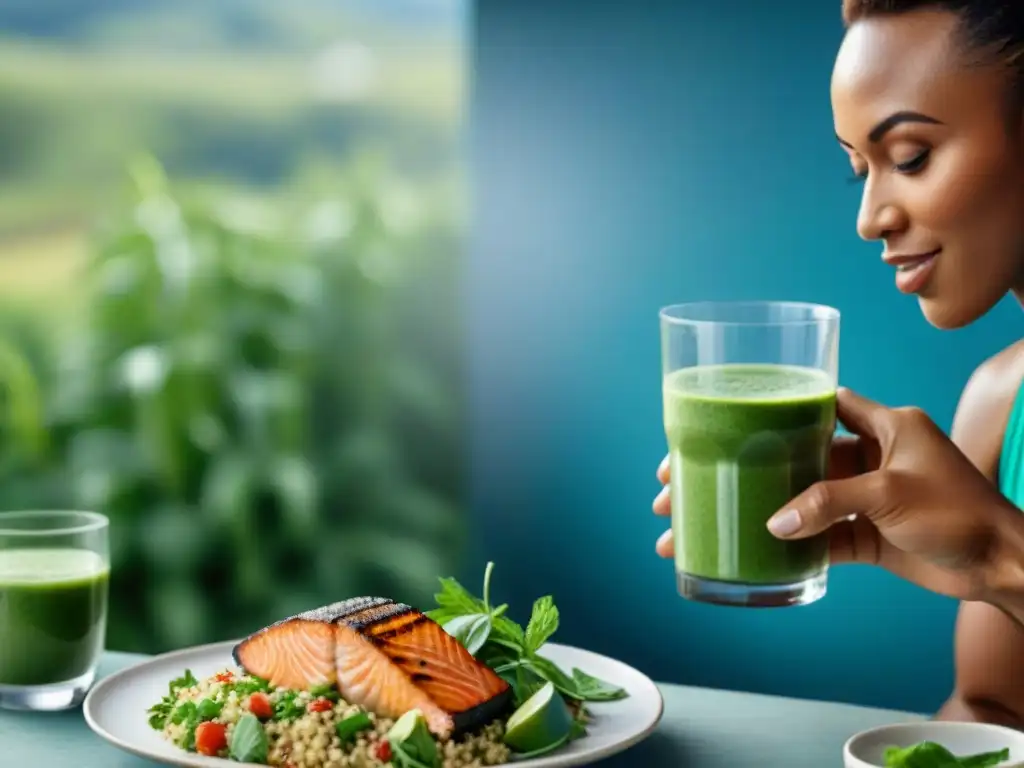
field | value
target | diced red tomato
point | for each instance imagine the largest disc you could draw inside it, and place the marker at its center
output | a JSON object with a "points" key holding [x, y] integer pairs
{"points": [[384, 751], [224, 677], [319, 705], [211, 738], [259, 705]]}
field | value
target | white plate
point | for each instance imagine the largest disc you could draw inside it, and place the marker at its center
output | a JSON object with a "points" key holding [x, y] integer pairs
{"points": [[116, 706]]}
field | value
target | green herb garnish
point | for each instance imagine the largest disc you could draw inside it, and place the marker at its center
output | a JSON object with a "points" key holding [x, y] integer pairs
{"points": [[248, 742], [348, 727], [160, 711], [288, 707], [187, 710], [208, 709], [186, 713], [928, 754], [248, 686], [510, 650]]}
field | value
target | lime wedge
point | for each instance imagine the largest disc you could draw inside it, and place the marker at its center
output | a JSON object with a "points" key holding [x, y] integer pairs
{"points": [[542, 720]]}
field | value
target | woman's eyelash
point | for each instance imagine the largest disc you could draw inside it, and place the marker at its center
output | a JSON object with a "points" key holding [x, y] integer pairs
{"points": [[911, 166], [914, 164]]}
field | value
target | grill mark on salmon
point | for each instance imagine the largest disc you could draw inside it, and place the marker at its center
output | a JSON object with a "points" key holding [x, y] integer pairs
{"points": [[384, 656], [366, 676]]}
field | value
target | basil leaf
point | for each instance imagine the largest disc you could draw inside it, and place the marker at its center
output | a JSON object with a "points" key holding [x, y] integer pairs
{"points": [[471, 630], [348, 727], [248, 741], [591, 688], [508, 649], [550, 671]]}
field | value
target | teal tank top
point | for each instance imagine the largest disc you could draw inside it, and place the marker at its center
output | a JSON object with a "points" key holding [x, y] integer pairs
{"points": [[1011, 460]]}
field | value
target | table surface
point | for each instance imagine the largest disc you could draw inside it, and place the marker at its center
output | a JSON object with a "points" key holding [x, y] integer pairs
{"points": [[701, 728]]}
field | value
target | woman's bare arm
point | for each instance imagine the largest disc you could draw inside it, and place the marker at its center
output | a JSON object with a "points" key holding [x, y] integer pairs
{"points": [[989, 683]]}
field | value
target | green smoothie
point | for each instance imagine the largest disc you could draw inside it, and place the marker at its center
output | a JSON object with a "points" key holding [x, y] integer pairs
{"points": [[53, 612], [743, 441]]}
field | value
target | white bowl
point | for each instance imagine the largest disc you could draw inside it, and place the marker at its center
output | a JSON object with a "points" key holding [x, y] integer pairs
{"points": [[866, 749]]}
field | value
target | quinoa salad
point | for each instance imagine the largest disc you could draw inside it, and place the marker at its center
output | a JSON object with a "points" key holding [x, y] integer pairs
{"points": [[369, 681], [241, 717]]}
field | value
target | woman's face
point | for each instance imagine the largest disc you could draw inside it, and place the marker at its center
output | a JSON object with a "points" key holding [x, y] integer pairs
{"points": [[926, 128]]}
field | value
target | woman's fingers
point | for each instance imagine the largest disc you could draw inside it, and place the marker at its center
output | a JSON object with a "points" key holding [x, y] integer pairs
{"points": [[855, 541], [859, 414], [665, 546], [663, 507], [846, 459], [663, 503]]}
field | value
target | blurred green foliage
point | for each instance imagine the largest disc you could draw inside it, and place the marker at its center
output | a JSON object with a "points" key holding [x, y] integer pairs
{"points": [[253, 367], [265, 401]]}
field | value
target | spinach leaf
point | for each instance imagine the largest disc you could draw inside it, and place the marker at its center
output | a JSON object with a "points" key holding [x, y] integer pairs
{"points": [[928, 754], [248, 741]]}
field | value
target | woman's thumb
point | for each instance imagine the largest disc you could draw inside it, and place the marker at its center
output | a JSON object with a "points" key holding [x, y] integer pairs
{"points": [[822, 505]]}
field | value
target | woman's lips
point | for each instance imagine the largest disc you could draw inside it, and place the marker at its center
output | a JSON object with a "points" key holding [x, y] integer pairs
{"points": [[912, 272]]}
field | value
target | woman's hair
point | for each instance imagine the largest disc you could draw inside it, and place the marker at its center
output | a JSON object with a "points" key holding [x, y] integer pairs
{"points": [[992, 28]]}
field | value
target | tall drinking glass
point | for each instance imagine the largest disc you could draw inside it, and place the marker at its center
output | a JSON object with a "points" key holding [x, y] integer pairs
{"points": [[749, 392], [54, 574]]}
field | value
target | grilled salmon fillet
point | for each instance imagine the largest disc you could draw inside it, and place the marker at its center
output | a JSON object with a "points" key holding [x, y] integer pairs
{"points": [[384, 656]]}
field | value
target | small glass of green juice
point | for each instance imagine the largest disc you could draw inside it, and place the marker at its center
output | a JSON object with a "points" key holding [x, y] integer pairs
{"points": [[54, 574], [749, 390]]}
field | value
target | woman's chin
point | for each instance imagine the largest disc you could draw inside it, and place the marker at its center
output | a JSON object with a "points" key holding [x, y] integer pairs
{"points": [[950, 314]]}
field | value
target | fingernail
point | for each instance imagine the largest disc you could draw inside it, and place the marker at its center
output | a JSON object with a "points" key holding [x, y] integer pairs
{"points": [[785, 523], [663, 466]]}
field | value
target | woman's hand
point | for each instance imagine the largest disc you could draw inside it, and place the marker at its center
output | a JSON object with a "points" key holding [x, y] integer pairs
{"points": [[899, 495], [849, 457]]}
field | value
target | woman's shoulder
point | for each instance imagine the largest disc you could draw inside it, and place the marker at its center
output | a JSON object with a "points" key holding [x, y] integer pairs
{"points": [[985, 406], [1000, 376]]}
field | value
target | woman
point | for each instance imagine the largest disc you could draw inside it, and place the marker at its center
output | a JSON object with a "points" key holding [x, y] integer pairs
{"points": [[928, 102]]}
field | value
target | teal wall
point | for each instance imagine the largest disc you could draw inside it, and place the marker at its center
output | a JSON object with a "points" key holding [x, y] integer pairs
{"points": [[629, 155]]}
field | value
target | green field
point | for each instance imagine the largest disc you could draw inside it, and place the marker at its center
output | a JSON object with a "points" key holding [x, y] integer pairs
{"points": [[257, 119]]}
